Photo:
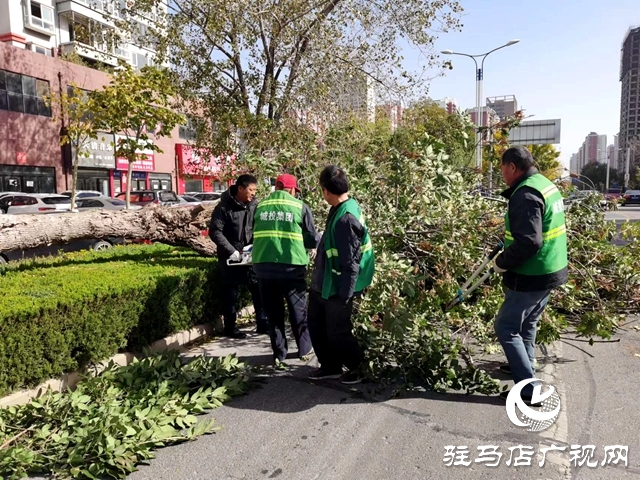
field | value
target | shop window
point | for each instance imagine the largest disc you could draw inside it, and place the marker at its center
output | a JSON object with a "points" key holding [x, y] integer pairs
{"points": [[23, 94]]}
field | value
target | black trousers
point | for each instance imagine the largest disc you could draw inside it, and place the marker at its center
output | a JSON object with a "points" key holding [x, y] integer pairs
{"points": [[232, 278], [275, 292], [332, 333]]}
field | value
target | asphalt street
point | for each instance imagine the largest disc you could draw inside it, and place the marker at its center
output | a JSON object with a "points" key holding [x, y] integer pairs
{"points": [[292, 428], [623, 214]]}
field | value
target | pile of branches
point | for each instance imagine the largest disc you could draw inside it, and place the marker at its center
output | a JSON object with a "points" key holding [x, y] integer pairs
{"points": [[430, 232]]}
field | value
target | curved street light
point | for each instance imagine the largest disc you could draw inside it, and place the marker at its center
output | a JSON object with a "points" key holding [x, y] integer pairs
{"points": [[479, 78]]}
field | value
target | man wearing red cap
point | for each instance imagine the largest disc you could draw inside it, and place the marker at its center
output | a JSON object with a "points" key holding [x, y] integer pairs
{"points": [[283, 232]]}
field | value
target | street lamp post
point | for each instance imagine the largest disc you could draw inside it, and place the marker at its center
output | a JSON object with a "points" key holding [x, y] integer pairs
{"points": [[479, 79]]}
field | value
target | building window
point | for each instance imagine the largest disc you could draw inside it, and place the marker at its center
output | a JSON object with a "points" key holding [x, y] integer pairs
{"points": [[188, 131], [23, 94], [39, 17]]}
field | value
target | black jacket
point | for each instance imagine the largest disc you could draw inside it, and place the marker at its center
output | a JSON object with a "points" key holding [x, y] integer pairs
{"points": [[310, 238], [348, 237], [231, 225], [526, 212]]}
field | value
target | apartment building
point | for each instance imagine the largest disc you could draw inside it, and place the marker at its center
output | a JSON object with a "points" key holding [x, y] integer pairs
{"points": [[36, 38], [630, 96]]}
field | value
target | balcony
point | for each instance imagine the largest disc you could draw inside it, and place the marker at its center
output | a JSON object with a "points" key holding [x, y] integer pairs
{"points": [[99, 11], [97, 54]]}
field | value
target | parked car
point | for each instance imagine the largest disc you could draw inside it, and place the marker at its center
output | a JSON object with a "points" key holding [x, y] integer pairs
{"points": [[207, 197], [187, 201], [83, 194], [105, 203], [613, 193], [146, 197], [18, 203], [630, 197], [51, 250]]}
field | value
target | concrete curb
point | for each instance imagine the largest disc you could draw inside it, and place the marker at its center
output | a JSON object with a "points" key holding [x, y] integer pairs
{"points": [[70, 380], [176, 341]]}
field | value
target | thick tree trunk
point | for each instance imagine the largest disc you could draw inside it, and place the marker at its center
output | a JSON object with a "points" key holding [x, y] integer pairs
{"points": [[182, 227]]}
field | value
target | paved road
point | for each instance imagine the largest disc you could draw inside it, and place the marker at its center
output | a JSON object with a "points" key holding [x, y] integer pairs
{"points": [[624, 213], [290, 428]]}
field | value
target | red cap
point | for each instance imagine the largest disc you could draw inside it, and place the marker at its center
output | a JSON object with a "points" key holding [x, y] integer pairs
{"points": [[288, 181]]}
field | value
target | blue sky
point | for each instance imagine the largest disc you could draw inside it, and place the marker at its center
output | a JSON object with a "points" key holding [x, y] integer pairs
{"points": [[566, 65]]}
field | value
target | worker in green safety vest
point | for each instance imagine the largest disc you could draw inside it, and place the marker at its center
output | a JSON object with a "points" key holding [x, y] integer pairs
{"points": [[533, 263], [283, 232], [343, 269]]}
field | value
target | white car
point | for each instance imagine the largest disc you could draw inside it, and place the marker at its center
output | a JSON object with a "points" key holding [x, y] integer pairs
{"points": [[19, 203], [105, 203], [83, 194]]}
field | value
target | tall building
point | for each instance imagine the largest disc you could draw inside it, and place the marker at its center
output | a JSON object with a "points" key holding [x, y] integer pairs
{"points": [[630, 97], [573, 164], [449, 104], [393, 112], [504, 106], [612, 153], [593, 149]]}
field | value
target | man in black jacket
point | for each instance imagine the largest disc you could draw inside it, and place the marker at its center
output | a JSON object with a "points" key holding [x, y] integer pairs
{"points": [[333, 289], [533, 263], [231, 229]]}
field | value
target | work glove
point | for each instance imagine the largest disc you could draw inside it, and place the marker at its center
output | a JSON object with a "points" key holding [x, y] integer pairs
{"points": [[496, 268], [235, 256]]}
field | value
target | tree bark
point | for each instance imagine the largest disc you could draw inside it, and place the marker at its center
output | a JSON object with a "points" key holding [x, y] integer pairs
{"points": [[182, 227]]}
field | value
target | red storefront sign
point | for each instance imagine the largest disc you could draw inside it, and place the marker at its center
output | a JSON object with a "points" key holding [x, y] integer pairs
{"points": [[192, 161], [145, 164], [197, 165]]}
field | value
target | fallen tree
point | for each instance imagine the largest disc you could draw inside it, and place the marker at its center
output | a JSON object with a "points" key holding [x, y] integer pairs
{"points": [[182, 227]]}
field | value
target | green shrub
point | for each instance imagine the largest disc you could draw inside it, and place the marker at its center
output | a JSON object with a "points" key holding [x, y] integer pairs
{"points": [[60, 314]]}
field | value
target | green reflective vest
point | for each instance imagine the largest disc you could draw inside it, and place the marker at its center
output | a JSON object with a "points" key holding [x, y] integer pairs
{"points": [[277, 231], [332, 265], [552, 256]]}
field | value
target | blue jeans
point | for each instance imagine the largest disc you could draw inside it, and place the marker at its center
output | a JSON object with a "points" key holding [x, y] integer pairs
{"points": [[515, 326]]}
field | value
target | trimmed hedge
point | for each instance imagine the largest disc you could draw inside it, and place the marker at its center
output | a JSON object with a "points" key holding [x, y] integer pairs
{"points": [[60, 314]]}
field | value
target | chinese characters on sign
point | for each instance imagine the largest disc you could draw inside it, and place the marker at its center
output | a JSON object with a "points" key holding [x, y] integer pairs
{"points": [[100, 152], [490, 455], [280, 216]]}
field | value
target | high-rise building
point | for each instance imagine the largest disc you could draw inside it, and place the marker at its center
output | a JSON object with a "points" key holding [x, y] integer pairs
{"points": [[592, 150], [612, 153], [449, 104], [630, 97], [504, 106], [595, 148], [573, 164]]}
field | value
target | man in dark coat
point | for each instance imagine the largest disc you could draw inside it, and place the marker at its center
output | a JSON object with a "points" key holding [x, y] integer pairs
{"points": [[231, 229]]}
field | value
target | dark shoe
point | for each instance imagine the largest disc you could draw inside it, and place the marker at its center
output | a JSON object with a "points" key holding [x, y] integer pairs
{"points": [[525, 398], [262, 331], [320, 374], [351, 378], [507, 368], [262, 327], [236, 334]]}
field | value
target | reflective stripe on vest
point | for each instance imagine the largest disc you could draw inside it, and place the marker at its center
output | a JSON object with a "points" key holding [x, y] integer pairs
{"points": [[552, 256]]}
